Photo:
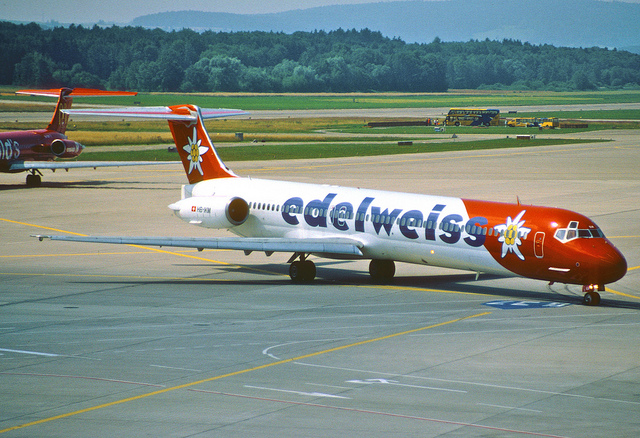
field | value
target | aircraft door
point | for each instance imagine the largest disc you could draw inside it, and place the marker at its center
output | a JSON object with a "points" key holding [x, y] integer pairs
{"points": [[538, 245]]}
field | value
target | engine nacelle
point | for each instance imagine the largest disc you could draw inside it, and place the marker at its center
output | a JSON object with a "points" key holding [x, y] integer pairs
{"points": [[66, 148], [212, 211]]}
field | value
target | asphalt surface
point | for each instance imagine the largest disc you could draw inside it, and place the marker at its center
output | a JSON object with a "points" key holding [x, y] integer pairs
{"points": [[106, 341]]}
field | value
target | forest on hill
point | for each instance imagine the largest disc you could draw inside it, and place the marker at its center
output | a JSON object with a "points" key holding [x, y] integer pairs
{"points": [[134, 58]]}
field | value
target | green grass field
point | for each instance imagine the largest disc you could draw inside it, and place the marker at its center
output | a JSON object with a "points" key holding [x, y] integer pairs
{"points": [[453, 98], [264, 152], [288, 138]]}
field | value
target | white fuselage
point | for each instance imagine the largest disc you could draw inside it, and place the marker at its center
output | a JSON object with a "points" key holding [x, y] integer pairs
{"points": [[422, 229]]}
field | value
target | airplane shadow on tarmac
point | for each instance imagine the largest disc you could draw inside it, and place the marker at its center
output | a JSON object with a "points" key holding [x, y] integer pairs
{"points": [[92, 184], [329, 276]]}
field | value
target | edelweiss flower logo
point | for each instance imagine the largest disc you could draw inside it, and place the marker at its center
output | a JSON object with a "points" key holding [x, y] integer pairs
{"points": [[510, 235], [195, 150]]}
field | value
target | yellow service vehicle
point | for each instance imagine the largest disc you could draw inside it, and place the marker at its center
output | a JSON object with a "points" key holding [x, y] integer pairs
{"points": [[526, 122], [550, 123]]}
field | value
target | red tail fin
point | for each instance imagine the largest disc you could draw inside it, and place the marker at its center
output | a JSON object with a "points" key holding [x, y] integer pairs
{"points": [[59, 120], [199, 157]]}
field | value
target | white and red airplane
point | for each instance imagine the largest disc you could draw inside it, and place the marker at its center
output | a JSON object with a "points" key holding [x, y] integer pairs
{"points": [[36, 149], [542, 243]]}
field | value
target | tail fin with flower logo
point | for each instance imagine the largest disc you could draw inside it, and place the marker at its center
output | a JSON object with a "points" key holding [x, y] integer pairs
{"points": [[199, 157]]}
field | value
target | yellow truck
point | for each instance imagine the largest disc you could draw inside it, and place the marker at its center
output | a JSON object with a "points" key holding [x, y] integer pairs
{"points": [[550, 123]]}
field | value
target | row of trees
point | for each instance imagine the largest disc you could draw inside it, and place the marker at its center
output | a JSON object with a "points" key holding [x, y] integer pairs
{"points": [[135, 58]]}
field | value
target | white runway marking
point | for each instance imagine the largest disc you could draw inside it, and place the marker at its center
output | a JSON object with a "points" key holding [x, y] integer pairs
{"points": [[35, 353], [396, 383], [509, 407], [310, 394], [175, 368]]}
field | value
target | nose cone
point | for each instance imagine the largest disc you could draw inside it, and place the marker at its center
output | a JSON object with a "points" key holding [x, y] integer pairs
{"points": [[605, 263], [614, 265]]}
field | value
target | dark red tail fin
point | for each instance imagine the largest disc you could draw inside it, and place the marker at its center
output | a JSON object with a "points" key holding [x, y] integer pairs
{"points": [[59, 120]]}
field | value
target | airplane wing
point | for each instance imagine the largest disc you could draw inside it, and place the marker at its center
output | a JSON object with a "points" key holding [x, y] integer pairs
{"points": [[54, 165], [317, 246], [157, 112]]}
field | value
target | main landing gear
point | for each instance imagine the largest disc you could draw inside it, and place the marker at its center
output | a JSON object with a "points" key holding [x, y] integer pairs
{"points": [[304, 271], [34, 179], [591, 297], [382, 270]]}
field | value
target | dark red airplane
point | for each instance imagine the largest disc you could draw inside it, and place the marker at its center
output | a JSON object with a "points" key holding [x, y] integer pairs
{"points": [[33, 150]]}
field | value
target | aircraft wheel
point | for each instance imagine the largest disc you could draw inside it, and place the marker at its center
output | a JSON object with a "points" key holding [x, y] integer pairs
{"points": [[591, 299], [382, 270], [34, 180], [302, 271]]}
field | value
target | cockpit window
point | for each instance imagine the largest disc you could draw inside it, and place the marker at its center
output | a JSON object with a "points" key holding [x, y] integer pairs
{"points": [[573, 232]]}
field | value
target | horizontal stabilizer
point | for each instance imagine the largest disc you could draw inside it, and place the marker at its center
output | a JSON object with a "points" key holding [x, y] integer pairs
{"points": [[84, 92], [157, 112], [316, 246], [55, 165]]}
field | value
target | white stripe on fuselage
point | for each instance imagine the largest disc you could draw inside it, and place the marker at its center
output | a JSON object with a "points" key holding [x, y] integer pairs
{"points": [[396, 239]]}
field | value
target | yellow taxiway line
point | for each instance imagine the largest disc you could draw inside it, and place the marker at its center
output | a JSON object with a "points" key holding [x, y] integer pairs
{"points": [[244, 371]]}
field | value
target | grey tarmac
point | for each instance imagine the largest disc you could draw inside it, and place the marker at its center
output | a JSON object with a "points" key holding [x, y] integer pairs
{"points": [[104, 341]]}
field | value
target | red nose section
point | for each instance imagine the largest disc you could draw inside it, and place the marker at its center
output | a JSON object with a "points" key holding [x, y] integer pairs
{"points": [[614, 263], [603, 263]]}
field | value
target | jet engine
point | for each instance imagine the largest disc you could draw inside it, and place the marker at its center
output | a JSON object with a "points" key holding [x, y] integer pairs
{"points": [[213, 211], [66, 148]]}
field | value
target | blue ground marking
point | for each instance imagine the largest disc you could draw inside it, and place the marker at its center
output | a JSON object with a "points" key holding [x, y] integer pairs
{"points": [[511, 305]]}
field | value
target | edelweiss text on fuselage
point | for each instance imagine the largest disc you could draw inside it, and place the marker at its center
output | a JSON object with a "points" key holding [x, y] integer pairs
{"points": [[317, 213]]}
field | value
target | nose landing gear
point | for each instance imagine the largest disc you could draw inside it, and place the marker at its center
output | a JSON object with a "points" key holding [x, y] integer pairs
{"points": [[591, 297]]}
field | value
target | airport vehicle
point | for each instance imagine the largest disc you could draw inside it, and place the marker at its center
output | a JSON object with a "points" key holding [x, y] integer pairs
{"points": [[543, 243], [473, 117], [37, 149], [527, 122], [549, 123]]}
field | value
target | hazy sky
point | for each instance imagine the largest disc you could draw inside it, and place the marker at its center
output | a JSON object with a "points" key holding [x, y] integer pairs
{"points": [[123, 11]]}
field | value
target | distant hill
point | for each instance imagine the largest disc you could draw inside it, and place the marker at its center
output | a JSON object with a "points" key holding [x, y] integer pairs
{"points": [[569, 23]]}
